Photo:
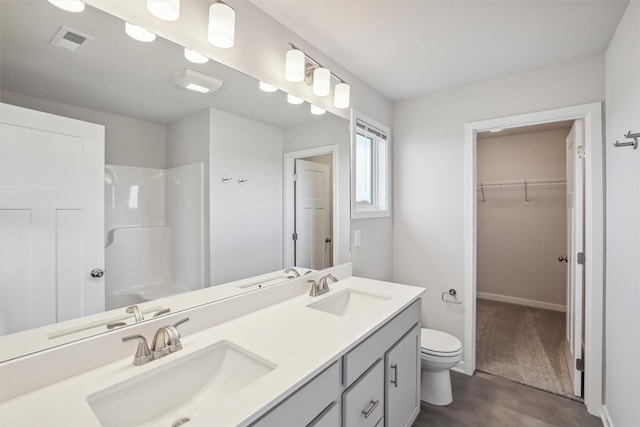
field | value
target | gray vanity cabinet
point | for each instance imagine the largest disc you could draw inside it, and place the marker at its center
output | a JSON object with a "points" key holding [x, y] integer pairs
{"points": [[363, 401], [402, 385]]}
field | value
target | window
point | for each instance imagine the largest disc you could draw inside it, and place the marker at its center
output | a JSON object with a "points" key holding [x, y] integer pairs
{"points": [[369, 168]]}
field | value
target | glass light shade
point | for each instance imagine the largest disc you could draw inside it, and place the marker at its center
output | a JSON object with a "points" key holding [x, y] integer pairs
{"points": [[195, 57], [168, 10], [266, 87], [341, 96], [68, 5], [294, 99], [222, 25], [321, 81], [294, 66], [317, 110], [139, 33]]}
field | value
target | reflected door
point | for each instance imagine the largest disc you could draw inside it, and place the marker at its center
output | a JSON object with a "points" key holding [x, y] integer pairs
{"points": [[313, 244], [575, 243], [51, 218]]}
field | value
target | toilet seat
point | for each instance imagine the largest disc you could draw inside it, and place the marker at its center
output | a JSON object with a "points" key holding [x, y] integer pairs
{"points": [[438, 343]]}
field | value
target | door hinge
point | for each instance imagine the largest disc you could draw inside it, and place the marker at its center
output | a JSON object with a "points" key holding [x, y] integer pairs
{"points": [[580, 365], [581, 258], [294, 177], [580, 151], [294, 236]]}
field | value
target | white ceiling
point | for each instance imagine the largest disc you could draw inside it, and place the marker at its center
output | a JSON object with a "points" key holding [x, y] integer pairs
{"points": [[407, 48]]}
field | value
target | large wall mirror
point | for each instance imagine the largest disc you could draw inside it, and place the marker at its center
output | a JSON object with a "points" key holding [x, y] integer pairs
{"points": [[198, 188]]}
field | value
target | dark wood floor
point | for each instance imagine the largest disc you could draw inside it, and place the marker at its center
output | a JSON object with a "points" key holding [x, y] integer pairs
{"points": [[487, 400]]}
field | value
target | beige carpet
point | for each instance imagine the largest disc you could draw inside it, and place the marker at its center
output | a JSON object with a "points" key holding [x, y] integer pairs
{"points": [[523, 344]]}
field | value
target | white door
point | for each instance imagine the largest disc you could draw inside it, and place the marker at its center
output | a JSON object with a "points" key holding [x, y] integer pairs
{"points": [[51, 218], [575, 249], [312, 226]]}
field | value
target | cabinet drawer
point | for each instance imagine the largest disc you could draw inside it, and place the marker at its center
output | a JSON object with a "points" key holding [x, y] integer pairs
{"points": [[360, 358], [306, 404], [330, 417], [363, 402]]}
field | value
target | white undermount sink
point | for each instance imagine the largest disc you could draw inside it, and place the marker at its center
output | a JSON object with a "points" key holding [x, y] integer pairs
{"points": [[176, 391], [349, 302]]}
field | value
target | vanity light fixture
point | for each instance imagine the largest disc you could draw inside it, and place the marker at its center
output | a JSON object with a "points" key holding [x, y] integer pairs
{"points": [[342, 95], [139, 33], [317, 111], [167, 10], [75, 6], [266, 87], [222, 25], [198, 82], [294, 99], [195, 57], [301, 67]]}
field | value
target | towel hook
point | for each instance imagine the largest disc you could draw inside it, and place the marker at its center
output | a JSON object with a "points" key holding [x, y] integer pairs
{"points": [[482, 191], [633, 143]]}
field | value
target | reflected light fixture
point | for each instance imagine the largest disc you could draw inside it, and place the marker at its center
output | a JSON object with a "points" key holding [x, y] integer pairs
{"points": [[139, 33], [75, 6], [342, 95], [195, 57], [168, 10], [198, 82], [294, 99], [266, 87], [294, 67], [315, 110], [222, 25], [321, 81]]}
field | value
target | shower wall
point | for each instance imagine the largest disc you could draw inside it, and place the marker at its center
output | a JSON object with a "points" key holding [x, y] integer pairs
{"points": [[154, 232]]}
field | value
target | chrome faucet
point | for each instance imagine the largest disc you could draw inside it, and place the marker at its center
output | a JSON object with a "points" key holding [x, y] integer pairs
{"points": [[323, 286], [137, 313], [292, 270], [166, 340]]}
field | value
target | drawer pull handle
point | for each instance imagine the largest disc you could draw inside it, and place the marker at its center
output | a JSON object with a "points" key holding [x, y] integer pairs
{"points": [[374, 405], [394, 381]]}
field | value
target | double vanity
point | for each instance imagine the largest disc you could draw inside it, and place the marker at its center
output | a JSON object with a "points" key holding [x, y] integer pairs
{"points": [[278, 357]]}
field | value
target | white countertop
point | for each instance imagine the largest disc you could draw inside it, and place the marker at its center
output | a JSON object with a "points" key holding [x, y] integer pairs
{"points": [[301, 341]]}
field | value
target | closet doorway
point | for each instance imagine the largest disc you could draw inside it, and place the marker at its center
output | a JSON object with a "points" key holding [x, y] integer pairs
{"points": [[593, 315], [523, 232]]}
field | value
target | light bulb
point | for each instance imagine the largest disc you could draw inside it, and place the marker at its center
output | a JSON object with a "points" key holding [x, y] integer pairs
{"points": [[168, 10], [341, 96], [315, 110], [195, 57], [266, 87], [139, 33], [294, 66], [222, 25], [294, 99], [69, 5], [321, 81]]}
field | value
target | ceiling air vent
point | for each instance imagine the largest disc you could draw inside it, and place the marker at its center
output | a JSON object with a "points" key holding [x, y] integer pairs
{"points": [[69, 39]]}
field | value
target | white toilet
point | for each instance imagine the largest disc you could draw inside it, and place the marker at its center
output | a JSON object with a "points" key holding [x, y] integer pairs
{"points": [[439, 351]]}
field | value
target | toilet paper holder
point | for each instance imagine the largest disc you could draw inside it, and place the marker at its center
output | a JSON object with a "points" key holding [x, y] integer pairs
{"points": [[452, 293]]}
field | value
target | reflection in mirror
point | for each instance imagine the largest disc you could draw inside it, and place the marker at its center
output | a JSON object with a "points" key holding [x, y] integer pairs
{"points": [[197, 200]]}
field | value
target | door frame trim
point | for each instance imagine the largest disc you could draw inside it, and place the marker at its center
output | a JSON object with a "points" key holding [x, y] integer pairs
{"points": [[594, 235], [288, 198]]}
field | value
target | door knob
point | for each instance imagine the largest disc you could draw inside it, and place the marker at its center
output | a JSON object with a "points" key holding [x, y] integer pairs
{"points": [[96, 272], [563, 258]]}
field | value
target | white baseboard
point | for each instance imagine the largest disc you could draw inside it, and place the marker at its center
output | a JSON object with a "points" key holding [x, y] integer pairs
{"points": [[606, 418], [522, 301]]}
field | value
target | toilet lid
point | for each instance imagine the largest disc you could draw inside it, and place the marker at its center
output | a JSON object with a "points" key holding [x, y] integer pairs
{"points": [[438, 341]]}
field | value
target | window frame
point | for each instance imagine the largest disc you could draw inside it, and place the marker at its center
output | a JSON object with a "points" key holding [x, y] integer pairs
{"points": [[381, 167]]}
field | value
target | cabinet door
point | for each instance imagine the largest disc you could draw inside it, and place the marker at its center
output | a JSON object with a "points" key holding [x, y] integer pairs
{"points": [[402, 375], [363, 402]]}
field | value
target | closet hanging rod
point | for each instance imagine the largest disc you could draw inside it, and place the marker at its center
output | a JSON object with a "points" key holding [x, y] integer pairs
{"points": [[521, 182]]}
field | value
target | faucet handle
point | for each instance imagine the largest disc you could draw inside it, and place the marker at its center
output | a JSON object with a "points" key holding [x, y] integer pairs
{"points": [[137, 313], [143, 355], [174, 343]]}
